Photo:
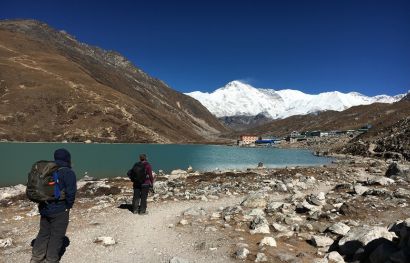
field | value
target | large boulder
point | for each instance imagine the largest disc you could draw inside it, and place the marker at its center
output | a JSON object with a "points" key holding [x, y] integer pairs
{"points": [[361, 237]]}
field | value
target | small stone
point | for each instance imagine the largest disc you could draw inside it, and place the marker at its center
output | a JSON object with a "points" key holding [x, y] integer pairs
{"points": [[334, 257], [194, 211], [254, 201], [242, 253], [268, 241], [215, 215], [106, 241], [279, 227], [184, 222], [321, 241], [359, 189], [261, 257], [7, 242]]}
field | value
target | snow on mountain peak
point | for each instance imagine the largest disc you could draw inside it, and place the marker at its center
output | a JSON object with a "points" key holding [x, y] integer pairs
{"points": [[238, 98]]}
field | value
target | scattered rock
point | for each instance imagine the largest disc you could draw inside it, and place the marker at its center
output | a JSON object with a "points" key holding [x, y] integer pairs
{"points": [[194, 211], [242, 253], [360, 190], [392, 170], [259, 225], [279, 227], [12, 191], [273, 207], [321, 241], [254, 201], [318, 199], [7, 242], [268, 241], [106, 241], [183, 222], [334, 257], [261, 257], [339, 228]]}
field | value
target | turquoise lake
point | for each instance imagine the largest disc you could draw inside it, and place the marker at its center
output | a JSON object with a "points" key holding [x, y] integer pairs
{"points": [[111, 160]]}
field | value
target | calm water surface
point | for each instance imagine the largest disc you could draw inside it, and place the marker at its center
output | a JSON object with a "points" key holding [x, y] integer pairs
{"points": [[111, 160]]}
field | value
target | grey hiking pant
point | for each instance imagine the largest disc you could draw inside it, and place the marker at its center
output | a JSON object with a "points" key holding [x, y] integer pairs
{"points": [[49, 242], [139, 201]]}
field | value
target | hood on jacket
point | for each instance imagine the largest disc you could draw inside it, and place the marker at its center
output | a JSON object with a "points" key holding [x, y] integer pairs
{"points": [[62, 157]]}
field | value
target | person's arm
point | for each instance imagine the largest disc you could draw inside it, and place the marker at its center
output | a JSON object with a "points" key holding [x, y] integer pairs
{"points": [[148, 168], [70, 183]]}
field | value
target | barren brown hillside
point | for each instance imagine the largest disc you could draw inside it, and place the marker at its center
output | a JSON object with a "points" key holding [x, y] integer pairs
{"points": [[379, 115], [54, 88]]}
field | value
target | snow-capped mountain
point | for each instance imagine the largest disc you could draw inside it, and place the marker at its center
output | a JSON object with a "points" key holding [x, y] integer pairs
{"points": [[238, 98]]}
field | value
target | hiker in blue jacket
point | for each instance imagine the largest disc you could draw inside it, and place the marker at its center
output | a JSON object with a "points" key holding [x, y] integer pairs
{"points": [[55, 214]]}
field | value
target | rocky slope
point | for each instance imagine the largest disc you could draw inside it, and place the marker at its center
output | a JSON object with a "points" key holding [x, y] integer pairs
{"points": [[241, 123], [390, 142], [54, 88]]}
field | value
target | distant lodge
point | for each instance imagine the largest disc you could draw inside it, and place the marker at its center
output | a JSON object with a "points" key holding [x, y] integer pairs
{"points": [[295, 136]]}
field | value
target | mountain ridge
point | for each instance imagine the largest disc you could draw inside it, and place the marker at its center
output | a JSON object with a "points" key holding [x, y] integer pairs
{"points": [[73, 91], [241, 99]]}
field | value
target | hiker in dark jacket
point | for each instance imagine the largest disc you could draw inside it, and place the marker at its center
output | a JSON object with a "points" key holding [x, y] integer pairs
{"points": [[55, 214], [139, 201]]}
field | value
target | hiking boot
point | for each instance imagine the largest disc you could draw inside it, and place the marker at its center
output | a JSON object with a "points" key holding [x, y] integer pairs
{"points": [[135, 212]]}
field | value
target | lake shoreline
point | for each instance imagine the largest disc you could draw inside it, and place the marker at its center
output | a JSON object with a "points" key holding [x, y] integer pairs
{"points": [[112, 160]]}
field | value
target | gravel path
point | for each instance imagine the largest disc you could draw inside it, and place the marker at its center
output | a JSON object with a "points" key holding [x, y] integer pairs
{"points": [[145, 238]]}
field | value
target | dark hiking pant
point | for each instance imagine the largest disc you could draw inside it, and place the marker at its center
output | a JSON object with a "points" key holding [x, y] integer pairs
{"points": [[139, 201], [50, 238]]}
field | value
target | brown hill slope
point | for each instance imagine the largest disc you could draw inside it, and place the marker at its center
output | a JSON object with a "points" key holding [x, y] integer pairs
{"points": [[379, 115], [389, 142], [55, 88]]}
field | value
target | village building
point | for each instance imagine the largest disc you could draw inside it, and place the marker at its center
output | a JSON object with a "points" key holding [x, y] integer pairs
{"points": [[294, 134], [248, 139]]}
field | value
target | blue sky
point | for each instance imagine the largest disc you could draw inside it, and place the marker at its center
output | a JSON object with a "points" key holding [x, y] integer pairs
{"points": [[313, 46]]}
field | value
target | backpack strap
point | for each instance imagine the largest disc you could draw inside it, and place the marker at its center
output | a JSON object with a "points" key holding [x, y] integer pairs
{"points": [[57, 191], [56, 178]]}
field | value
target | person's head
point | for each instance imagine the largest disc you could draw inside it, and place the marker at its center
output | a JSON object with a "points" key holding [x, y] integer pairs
{"points": [[62, 155], [143, 157]]}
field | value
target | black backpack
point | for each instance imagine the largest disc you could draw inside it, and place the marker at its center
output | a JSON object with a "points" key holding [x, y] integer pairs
{"points": [[138, 173], [42, 182]]}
